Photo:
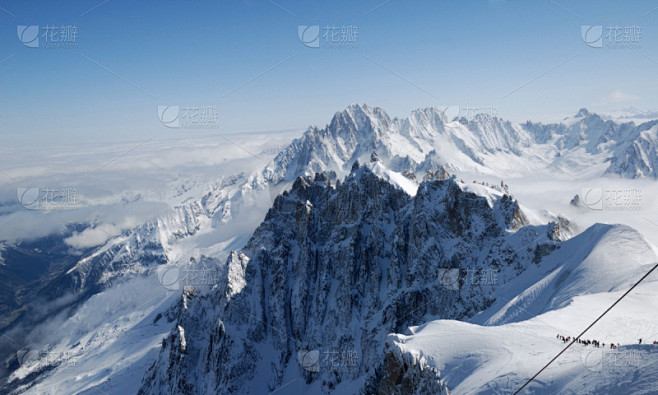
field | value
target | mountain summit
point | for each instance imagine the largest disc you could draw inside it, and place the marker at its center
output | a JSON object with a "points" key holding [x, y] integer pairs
{"points": [[332, 270], [481, 144]]}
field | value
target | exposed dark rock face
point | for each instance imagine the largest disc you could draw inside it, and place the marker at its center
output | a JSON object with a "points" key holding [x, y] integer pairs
{"points": [[343, 268], [403, 375]]}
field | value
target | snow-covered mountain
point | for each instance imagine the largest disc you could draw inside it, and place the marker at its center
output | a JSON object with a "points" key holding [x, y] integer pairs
{"points": [[356, 261], [425, 141], [364, 248], [402, 144], [483, 144], [630, 148], [171, 239], [631, 114]]}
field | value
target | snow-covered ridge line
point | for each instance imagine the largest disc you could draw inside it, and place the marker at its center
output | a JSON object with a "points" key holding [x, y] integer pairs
{"points": [[482, 143]]}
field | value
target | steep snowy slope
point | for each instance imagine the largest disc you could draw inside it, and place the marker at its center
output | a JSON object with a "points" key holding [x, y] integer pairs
{"points": [[607, 259], [103, 347], [563, 294]]}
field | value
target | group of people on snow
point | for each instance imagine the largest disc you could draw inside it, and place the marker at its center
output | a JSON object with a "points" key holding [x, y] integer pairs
{"points": [[595, 343]]}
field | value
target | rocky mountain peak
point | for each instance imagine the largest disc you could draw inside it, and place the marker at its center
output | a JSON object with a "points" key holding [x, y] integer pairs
{"points": [[582, 113], [349, 265], [374, 157]]}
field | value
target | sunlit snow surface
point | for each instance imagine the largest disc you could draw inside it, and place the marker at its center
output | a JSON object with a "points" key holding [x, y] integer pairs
{"points": [[508, 343]]}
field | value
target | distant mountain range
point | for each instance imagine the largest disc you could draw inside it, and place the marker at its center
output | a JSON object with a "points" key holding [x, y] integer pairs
{"points": [[483, 144]]}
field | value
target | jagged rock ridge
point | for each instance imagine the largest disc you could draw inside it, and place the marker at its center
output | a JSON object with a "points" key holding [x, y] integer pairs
{"points": [[355, 261]]}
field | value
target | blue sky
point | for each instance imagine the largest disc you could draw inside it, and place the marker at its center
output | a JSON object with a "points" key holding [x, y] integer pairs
{"points": [[526, 58]]}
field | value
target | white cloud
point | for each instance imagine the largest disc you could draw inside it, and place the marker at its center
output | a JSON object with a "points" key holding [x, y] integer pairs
{"points": [[99, 234], [92, 237], [141, 184], [617, 97]]}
